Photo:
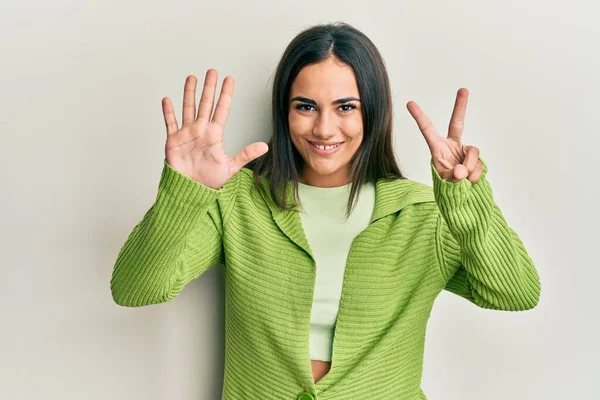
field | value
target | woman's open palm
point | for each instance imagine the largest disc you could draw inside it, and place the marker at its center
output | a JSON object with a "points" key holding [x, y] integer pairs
{"points": [[196, 149]]}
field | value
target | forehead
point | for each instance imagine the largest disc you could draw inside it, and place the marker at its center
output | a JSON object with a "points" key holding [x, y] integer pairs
{"points": [[327, 79]]}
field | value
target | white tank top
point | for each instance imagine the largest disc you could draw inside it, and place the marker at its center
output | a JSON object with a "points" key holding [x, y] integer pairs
{"points": [[330, 235]]}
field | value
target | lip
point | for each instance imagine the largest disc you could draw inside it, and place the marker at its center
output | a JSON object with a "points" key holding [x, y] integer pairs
{"points": [[324, 152], [323, 143]]}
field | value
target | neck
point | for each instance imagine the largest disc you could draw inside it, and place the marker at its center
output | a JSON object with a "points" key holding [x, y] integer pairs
{"points": [[340, 177]]}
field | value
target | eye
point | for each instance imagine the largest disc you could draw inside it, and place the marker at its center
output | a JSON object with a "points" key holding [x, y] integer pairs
{"points": [[349, 108], [352, 107], [300, 107]]}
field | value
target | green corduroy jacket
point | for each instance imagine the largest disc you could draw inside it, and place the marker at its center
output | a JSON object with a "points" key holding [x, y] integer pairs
{"points": [[421, 240]]}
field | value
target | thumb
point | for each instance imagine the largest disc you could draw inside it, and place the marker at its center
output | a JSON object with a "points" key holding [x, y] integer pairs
{"points": [[247, 154]]}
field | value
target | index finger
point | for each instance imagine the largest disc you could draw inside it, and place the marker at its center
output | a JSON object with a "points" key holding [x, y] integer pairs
{"points": [[425, 125]]}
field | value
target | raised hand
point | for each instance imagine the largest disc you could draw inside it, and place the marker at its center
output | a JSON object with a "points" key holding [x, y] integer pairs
{"points": [[196, 150], [453, 160]]}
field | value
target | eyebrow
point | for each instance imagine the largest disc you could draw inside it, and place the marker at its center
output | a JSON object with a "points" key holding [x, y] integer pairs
{"points": [[311, 101]]}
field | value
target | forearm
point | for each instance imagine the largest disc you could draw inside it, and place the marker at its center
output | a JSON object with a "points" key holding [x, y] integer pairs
{"points": [[482, 258], [152, 265]]}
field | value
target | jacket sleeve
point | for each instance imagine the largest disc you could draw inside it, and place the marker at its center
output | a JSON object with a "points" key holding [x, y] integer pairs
{"points": [[481, 258], [178, 238]]}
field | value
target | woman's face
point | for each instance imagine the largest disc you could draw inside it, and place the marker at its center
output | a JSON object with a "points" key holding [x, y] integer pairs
{"points": [[325, 109]]}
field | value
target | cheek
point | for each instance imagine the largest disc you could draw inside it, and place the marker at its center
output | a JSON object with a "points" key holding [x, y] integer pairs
{"points": [[353, 129], [297, 124]]}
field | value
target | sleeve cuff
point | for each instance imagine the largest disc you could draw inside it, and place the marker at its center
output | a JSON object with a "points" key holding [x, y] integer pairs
{"points": [[455, 190], [183, 188]]}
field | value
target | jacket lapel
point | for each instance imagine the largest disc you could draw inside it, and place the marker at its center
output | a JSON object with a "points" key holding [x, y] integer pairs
{"points": [[288, 221], [390, 197]]}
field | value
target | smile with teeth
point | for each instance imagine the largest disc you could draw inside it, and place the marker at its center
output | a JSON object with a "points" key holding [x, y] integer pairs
{"points": [[322, 147]]}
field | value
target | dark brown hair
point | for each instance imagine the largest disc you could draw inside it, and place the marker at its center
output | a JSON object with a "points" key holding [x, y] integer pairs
{"points": [[375, 157]]}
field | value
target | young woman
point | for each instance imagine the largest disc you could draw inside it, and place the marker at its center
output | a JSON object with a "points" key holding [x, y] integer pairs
{"points": [[332, 257]]}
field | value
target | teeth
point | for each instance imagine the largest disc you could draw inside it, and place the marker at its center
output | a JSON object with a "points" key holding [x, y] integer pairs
{"points": [[318, 146]]}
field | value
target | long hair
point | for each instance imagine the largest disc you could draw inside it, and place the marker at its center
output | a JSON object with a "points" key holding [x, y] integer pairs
{"points": [[374, 159]]}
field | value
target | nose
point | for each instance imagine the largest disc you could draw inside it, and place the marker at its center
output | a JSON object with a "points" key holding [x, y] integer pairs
{"points": [[323, 128]]}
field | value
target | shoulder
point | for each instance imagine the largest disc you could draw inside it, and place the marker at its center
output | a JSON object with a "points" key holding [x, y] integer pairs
{"points": [[245, 177], [246, 184], [239, 179]]}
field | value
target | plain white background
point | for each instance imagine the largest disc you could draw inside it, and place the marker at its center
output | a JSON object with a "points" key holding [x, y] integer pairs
{"points": [[82, 149]]}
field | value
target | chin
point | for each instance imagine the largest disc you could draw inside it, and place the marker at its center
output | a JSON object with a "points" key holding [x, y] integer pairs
{"points": [[323, 170]]}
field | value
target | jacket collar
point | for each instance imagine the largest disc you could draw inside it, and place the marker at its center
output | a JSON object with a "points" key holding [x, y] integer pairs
{"points": [[391, 196]]}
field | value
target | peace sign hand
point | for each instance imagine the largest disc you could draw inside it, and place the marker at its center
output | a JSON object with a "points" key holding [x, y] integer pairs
{"points": [[453, 160], [196, 149]]}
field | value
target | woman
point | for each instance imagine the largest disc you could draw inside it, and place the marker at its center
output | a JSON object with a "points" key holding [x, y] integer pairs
{"points": [[333, 258]]}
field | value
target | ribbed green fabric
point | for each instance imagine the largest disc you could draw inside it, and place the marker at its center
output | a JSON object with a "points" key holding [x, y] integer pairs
{"points": [[421, 240]]}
